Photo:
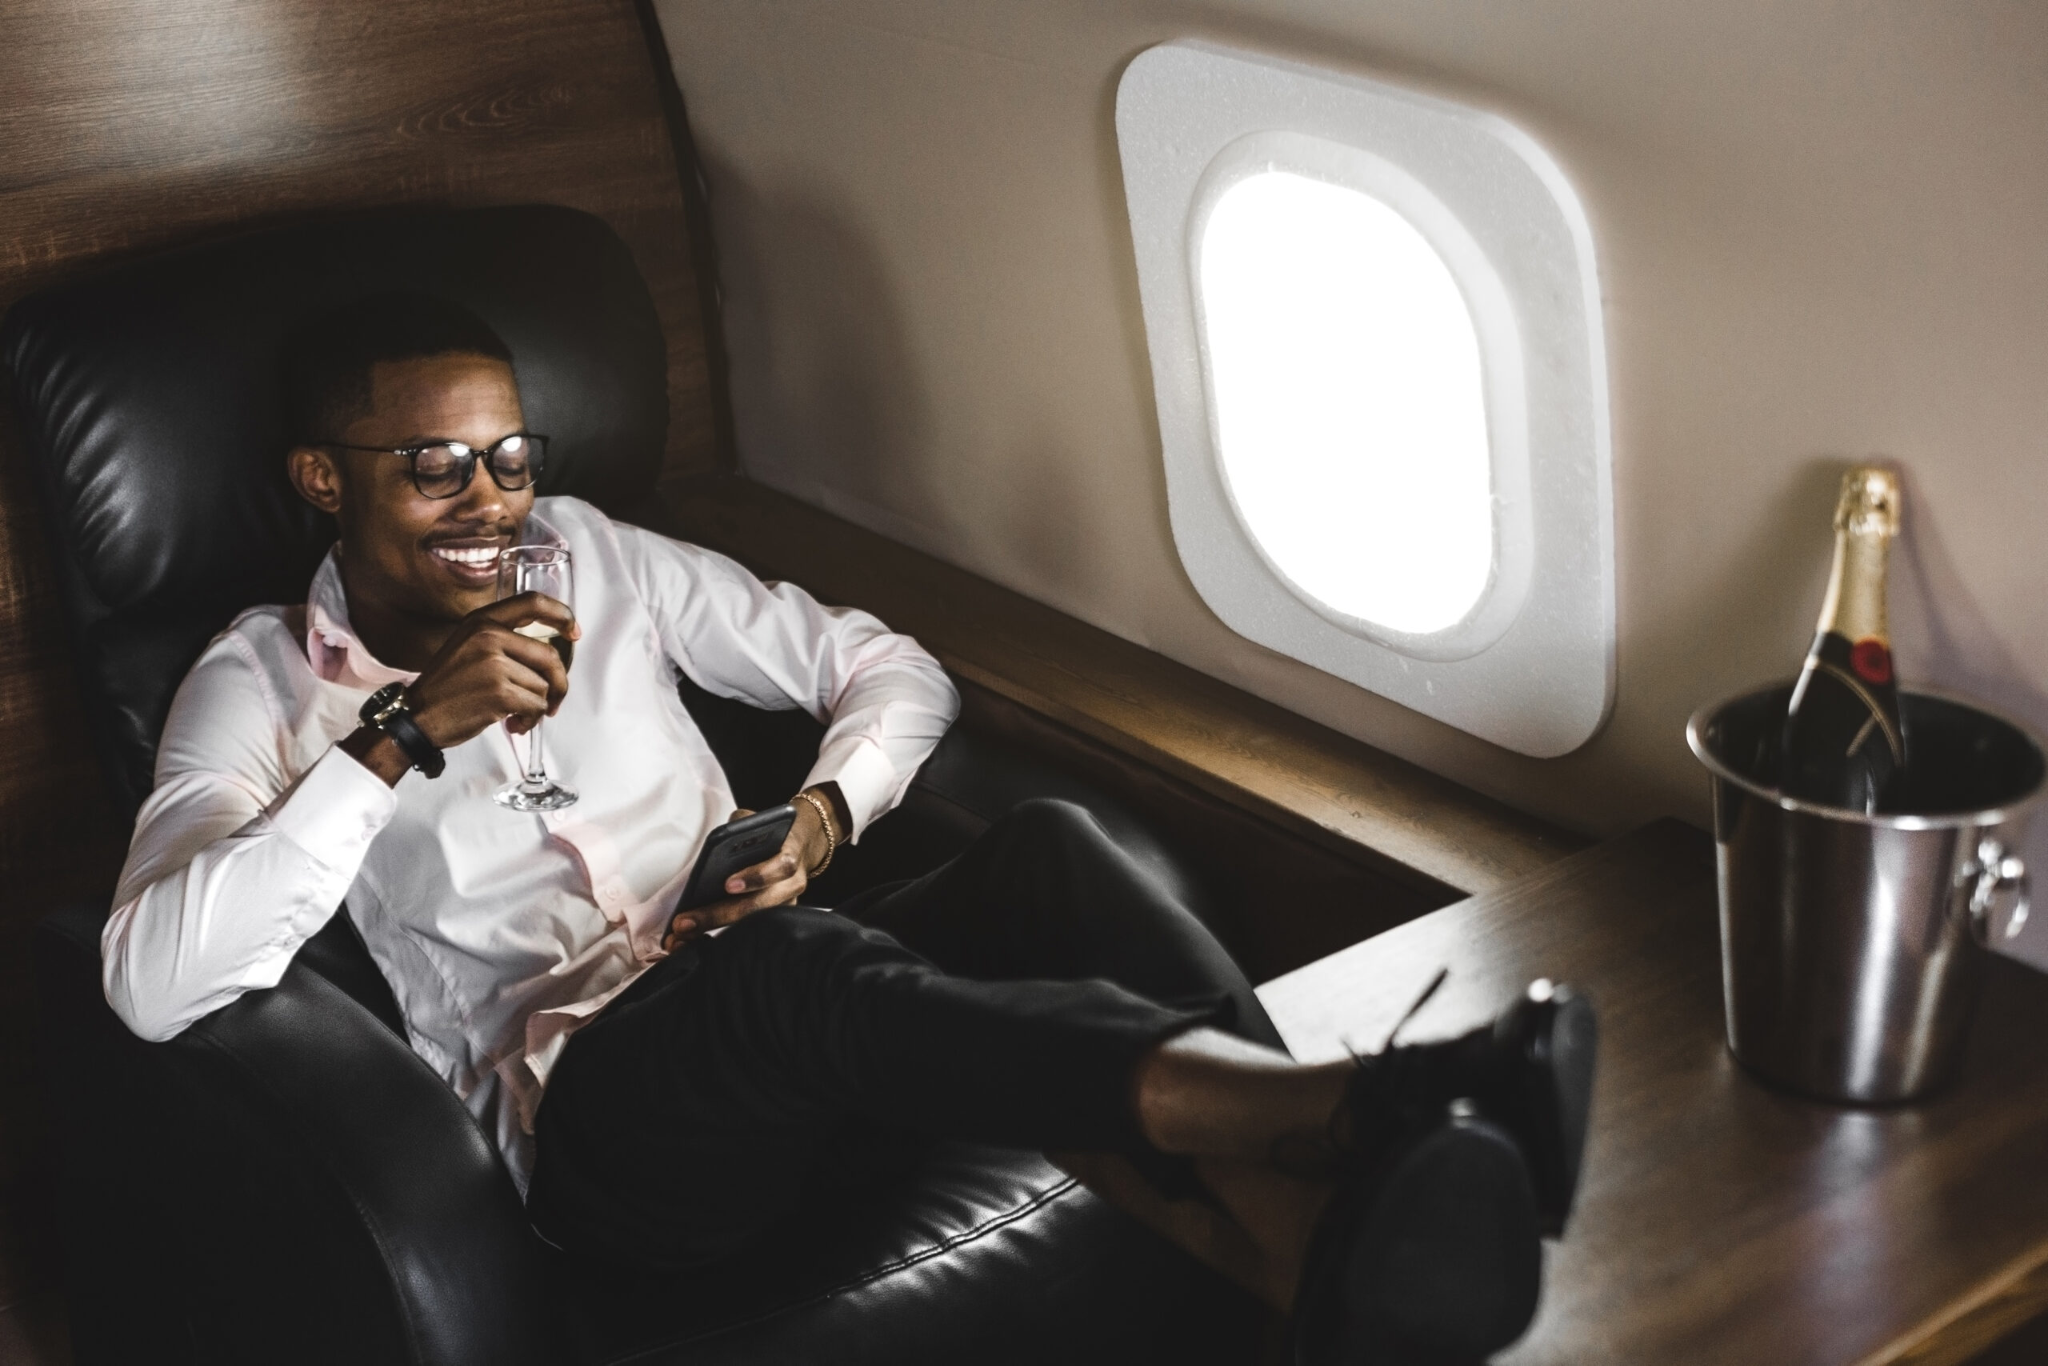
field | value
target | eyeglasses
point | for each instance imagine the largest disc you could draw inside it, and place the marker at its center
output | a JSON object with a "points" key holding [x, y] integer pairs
{"points": [[442, 469]]}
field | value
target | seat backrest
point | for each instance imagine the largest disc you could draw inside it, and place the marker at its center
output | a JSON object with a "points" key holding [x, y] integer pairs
{"points": [[148, 397]]}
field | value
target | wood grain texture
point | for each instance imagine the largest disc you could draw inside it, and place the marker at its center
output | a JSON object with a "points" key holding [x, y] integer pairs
{"points": [[137, 124], [1355, 801], [2025, 1346], [1720, 1221], [133, 125], [1980, 1326]]}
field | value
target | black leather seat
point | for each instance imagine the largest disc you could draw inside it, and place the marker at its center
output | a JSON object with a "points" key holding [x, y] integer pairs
{"points": [[286, 1181]]}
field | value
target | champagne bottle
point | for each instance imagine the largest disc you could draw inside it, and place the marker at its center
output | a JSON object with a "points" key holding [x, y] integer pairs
{"points": [[1843, 744]]}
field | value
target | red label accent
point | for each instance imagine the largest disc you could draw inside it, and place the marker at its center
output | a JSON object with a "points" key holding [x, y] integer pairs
{"points": [[1871, 661]]}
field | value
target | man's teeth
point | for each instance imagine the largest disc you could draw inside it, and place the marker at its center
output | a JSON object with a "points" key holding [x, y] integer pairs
{"points": [[483, 556]]}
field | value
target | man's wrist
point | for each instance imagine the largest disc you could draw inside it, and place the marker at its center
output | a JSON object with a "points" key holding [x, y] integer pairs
{"points": [[835, 803], [377, 752], [818, 803]]}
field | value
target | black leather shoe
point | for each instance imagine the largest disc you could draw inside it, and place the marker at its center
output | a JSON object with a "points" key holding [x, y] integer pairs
{"points": [[1548, 1043], [1530, 1071], [1427, 1254]]}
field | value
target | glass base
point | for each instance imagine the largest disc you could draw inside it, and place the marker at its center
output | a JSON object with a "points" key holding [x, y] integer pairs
{"points": [[548, 795]]}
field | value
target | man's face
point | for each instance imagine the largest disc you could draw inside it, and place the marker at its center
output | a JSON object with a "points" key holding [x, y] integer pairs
{"points": [[430, 559]]}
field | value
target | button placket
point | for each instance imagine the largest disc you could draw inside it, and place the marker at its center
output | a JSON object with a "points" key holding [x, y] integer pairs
{"points": [[599, 859]]}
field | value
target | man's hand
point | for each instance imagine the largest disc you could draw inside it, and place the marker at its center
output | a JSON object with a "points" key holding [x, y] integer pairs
{"points": [[485, 673], [777, 881]]}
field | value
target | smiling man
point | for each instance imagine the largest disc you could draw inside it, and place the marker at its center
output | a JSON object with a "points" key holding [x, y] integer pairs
{"points": [[658, 1090]]}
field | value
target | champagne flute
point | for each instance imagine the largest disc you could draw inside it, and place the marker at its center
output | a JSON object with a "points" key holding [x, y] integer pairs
{"points": [[537, 569]]}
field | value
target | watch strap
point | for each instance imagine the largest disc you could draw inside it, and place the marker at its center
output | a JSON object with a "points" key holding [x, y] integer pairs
{"points": [[387, 711], [425, 755]]}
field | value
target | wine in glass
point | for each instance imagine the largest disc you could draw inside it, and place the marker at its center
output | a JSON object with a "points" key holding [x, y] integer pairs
{"points": [[537, 569]]}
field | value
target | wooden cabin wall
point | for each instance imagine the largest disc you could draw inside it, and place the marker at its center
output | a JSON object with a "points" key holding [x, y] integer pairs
{"points": [[1820, 238], [135, 124]]}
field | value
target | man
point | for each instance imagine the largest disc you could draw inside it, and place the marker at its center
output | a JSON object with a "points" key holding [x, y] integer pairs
{"points": [[657, 1082]]}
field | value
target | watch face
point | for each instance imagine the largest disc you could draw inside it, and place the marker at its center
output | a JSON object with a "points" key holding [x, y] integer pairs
{"points": [[382, 703]]}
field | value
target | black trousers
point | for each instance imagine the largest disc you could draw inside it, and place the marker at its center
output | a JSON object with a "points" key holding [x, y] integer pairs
{"points": [[1004, 998]]}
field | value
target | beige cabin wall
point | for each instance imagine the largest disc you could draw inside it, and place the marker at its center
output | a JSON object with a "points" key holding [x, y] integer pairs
{"points": [[1822, 232]]}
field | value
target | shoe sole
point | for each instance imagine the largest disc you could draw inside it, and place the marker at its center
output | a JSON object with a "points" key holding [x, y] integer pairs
{"points": [[1444, 1264]]}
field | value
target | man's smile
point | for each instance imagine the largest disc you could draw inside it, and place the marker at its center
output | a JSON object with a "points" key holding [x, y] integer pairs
{"points": [[472, 561]]}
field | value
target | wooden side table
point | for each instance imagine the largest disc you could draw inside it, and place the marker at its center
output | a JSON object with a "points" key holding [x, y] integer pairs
{"points": [[1720, 1221]]}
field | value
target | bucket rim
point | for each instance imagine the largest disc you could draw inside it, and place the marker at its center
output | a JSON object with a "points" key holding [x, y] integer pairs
{"points": [[1695, 738]]}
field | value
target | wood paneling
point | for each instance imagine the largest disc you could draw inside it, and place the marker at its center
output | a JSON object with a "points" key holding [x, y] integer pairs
{"points": [[136, 124], [1359, 803], [2025, 1346], [1721, 1221], [132, 125]]}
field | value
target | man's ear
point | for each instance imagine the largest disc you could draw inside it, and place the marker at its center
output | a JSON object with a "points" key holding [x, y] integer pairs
{"points": [[316, 474]]}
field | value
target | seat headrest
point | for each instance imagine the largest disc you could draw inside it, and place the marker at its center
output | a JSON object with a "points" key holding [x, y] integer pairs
{"points": [[148, 397]]}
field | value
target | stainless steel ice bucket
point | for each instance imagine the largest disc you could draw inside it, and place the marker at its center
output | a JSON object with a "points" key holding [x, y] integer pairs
{"points": [[1851, 945]]}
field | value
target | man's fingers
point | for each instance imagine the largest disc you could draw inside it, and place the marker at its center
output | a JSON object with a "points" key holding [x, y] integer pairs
{"points": [[530, 607], [763, 874], [521, 695], [539, 657], [732, 909]]}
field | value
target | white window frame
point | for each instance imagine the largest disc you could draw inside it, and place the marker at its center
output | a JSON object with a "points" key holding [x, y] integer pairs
{"points": [[1531, 666]]}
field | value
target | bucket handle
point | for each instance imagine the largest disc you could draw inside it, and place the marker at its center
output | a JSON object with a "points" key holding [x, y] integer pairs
{"points": [[1989, 876]]}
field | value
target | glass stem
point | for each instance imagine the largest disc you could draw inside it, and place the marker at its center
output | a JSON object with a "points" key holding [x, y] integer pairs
{"points": [[536, 765]]}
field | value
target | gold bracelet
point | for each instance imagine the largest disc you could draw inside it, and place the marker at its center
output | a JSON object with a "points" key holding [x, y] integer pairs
{"points": [[824, 819]]}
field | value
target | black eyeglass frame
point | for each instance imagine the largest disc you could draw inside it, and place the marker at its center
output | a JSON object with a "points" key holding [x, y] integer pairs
{"points": [[469, 455]]}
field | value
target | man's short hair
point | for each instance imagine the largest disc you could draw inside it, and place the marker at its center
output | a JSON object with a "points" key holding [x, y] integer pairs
{"points": [[327, 362]]}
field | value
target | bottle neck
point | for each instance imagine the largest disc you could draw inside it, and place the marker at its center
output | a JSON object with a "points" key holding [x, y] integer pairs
{"points": [[1855, 605]]}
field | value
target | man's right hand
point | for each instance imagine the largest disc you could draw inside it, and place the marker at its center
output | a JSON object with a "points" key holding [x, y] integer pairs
{"points": [[485, 673]]}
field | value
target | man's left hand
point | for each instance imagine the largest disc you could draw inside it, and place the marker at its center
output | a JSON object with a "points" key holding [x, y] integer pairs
{"points": [[776, 881]]}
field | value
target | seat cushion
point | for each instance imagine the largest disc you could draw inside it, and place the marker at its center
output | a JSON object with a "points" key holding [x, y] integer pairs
{"points": [[905, 1250]]}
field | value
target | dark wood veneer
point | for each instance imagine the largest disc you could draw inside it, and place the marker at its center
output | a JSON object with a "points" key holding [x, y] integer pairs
{"points": [[1354, 802], [133, 125], [1721, 1221]]}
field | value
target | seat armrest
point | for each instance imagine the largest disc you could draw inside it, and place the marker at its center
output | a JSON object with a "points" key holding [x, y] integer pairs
{"points": [[319, 1191]]}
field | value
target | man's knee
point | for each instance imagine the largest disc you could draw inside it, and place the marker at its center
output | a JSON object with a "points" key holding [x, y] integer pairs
{"points": [[1050, 823]]}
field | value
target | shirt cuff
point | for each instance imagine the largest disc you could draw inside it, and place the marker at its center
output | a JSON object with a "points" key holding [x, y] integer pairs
{"points": [[334, 810], [867, 780]]}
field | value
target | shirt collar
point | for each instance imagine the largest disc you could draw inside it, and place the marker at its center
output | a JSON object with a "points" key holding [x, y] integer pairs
{"points": [[332, 647]]}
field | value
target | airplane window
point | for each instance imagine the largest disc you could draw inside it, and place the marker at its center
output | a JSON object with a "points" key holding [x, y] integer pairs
{"points": [[1377, 353], [1351, 420]]}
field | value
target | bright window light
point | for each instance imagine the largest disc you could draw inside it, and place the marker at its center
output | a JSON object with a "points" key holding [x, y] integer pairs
{"points": [[1350, 407], [1375, 331]]}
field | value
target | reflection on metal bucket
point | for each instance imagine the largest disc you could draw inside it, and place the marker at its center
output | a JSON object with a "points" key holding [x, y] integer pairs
{"points": [[1852, 944]]}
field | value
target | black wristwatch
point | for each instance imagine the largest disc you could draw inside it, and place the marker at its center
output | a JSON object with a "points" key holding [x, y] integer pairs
{"points": [[388, 712]]}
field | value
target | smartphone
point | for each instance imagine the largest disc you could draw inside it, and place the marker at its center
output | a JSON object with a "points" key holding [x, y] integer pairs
{"points": [[734, 846]]}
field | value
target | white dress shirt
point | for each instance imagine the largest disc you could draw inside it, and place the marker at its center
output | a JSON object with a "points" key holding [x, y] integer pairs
{"points": [[499, 932]]}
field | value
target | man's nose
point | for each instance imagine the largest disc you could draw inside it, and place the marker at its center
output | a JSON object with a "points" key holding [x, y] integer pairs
{"points": [[482, 499]]}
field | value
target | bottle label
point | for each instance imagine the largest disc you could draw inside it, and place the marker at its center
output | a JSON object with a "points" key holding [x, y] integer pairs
{"points": [[1871, 661], [1865, 669]]}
